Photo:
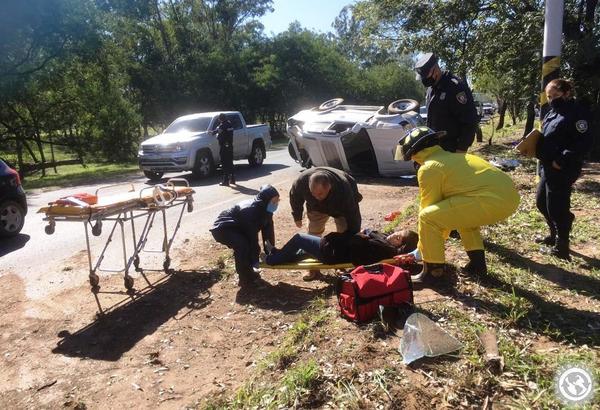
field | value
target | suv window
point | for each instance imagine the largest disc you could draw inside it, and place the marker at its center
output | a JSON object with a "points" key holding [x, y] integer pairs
{"points": [[235, 121]]}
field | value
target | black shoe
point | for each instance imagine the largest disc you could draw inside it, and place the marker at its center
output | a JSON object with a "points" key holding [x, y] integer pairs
{"points": [[476, 264], [561, 249], [548, 240], [232, 181], [224, 183]]}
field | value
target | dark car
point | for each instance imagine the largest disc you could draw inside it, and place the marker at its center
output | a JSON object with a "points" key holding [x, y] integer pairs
{"points": [[13, 203]]}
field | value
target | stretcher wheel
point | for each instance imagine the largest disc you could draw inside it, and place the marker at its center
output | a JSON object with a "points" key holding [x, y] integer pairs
{"points": [[128, 282], [167, 264], [49, 229], [190, 206], [94, 280], [97, 229]]}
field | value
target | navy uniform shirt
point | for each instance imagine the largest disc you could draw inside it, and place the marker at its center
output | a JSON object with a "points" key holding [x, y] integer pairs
{"points": [[450, 108], [566, 138], [225, 134]]}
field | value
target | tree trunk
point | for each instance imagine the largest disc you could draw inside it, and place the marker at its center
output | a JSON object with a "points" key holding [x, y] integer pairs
{"points": [[501, 113], [513, 112], [530, 117]]}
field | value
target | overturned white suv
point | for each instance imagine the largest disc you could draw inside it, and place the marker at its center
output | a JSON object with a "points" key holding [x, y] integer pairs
{"points": [[359, 139]]}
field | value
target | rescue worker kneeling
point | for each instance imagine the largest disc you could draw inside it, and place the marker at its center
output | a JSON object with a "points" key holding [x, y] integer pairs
{"points": [[458, 191]]}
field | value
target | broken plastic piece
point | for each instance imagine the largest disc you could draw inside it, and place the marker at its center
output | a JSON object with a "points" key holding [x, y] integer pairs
{"points": [[422, 337], [392, 215]]}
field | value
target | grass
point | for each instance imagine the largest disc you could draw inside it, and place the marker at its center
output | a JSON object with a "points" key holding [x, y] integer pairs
{"points": [[72, 175]]}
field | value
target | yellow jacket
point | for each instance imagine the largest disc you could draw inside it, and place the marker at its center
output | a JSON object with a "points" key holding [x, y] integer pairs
{"points": [[445, 174]]}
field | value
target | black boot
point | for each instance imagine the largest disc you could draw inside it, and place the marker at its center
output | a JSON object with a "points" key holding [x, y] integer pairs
{"points": [[476, 264], [561, 249]]}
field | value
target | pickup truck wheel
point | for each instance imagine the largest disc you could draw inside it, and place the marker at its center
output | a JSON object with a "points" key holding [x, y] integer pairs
{"points": [[153, 175], [292, 152], [403, 106], [257, 155], [204, 165]]}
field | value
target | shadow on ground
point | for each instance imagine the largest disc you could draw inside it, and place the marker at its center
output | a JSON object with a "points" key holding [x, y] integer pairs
{"points": [[115, 333], [15, 243], [558, 322], [283, 296], [242, 172]]}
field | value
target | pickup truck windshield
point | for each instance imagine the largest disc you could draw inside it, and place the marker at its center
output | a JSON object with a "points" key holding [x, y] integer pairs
{"points": [[191, 125]]}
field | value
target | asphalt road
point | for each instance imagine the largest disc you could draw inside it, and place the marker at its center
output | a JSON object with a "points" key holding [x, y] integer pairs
{"points": [[48, 263]]}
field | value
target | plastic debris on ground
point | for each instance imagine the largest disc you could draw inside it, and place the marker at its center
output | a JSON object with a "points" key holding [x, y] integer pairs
{"points": [[505, 164], [422, 337]]}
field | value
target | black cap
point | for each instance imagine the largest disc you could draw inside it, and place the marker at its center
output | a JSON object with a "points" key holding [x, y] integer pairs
{"points": [[424, 64]]}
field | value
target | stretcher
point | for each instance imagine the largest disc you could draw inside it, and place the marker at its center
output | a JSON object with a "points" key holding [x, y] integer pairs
{"points": [[313, 264], [121, 208]]}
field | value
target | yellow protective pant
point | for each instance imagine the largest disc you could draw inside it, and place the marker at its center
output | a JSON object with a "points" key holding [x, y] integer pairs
{"points": [[463, 213]]}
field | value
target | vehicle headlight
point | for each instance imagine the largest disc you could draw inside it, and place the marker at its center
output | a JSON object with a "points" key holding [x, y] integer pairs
{"points": [[180, 147]]}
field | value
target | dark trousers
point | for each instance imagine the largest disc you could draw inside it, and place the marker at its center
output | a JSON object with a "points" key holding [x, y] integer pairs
{"points": [[227, 163], [296, 248], [235, 240], [554, 202]]}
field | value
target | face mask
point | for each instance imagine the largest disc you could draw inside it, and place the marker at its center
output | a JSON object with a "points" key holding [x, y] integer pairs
{"points": [[558, 103], [428, 82], [271, 207]]}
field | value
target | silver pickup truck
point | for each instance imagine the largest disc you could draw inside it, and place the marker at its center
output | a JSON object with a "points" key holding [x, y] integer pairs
{"points": [[189, 144]]}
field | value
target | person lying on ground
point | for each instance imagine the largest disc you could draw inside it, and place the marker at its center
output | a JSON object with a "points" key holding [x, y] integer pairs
{"points": [[238, 228], [363, 248]]}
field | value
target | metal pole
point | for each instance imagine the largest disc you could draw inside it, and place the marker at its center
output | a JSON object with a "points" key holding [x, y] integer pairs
{"points": [[552, 46]]}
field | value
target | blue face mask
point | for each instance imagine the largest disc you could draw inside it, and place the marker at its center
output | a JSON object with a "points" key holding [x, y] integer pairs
{"points": [[271, 207]]}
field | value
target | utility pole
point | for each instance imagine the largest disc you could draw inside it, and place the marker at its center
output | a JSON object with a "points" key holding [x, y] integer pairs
{"points": [[552, 46]]}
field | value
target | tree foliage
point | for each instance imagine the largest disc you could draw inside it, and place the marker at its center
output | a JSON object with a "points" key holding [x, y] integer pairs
{"points": [[99, 75], [495, 44]]}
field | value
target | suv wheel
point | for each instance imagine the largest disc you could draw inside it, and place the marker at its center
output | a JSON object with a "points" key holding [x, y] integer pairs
{"points": [[257, 155], [153, 175], [12, 218], [204, 165]]}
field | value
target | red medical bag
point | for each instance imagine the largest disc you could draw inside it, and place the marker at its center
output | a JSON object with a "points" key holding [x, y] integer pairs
{"points": [[362, 291]]}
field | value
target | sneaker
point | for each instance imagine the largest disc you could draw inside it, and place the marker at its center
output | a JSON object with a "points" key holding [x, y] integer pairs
{"points": [[268, 247], [548, 240], [263, 257]]}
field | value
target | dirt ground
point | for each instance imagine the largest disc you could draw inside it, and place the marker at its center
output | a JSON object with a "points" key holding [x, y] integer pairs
{"points": [[193, 334]]}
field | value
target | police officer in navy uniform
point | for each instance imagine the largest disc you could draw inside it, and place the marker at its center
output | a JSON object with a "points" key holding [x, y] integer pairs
{"points": [[450, 105], [561, 150], [225, 137]]}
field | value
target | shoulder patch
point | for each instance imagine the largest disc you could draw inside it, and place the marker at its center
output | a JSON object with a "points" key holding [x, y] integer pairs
{"points": [[581, 126], [461, 97], [454, 80]]}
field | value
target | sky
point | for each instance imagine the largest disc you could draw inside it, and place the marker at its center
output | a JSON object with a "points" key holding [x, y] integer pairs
{"points": [[317, 15]]}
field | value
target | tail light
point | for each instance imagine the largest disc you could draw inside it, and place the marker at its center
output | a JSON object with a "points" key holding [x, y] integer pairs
{"points": [[16, 180]]}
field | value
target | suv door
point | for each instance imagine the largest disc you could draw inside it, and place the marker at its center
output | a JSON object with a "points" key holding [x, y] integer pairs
{"points": [[240, 138]]}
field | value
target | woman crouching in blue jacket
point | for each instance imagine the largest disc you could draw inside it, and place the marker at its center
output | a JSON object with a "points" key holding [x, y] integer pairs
{"points": [[238, 228]]}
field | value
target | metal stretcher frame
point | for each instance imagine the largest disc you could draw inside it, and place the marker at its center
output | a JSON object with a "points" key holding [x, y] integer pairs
{"points": [[163, 197]]}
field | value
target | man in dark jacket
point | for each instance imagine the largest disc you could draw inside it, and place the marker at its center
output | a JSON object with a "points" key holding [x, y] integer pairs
{"points": [[225, 138], [450, 105], [238, 228], [327, 192]]}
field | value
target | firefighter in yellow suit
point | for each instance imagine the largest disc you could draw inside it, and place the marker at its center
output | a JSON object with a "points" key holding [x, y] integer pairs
{"points": [[458, 191]]}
